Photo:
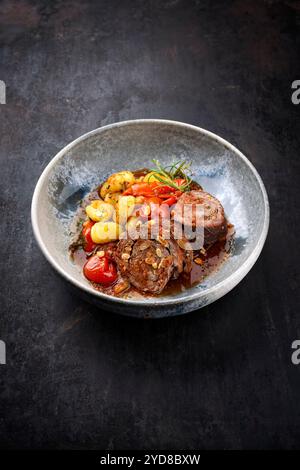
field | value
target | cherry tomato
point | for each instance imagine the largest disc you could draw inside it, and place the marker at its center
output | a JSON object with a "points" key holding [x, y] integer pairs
{"points": [[88, 245], [100, 270]]}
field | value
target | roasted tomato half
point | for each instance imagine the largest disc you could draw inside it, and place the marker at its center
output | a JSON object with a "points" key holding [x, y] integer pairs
{"points": [[100, 269]]}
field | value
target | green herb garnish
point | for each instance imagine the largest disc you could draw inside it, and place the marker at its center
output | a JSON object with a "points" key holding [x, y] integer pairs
{"points": [[169, 173]]}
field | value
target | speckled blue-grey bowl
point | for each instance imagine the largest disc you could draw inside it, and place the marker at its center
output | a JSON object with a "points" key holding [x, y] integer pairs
{"points": [[219, 167]]}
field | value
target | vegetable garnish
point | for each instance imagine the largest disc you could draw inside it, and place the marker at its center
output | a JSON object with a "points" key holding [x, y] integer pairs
{"points": [[129, 238], [88, 244], [141, 189], [174, 175], [155, 190], [100, 269]]}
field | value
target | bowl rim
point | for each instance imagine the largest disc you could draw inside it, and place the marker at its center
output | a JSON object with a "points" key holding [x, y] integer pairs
{"points": [[231, 280]]}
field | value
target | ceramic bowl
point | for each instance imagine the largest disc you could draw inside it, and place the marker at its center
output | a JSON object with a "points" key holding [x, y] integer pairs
{"points": [[218, 166]]}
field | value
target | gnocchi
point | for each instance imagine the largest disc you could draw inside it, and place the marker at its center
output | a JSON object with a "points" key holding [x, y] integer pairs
{"points": [[112, 198], [117, 182], [99, 210], [104, 232]]}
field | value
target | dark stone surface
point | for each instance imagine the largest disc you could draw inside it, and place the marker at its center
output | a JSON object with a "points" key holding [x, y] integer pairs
{"points": [[77, 377]]}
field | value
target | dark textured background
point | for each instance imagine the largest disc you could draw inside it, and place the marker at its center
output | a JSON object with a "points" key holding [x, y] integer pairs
{"points": [[77, 377]]}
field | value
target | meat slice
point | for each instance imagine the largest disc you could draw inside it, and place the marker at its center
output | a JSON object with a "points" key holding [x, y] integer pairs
{"points": [[146, 263], [214, 221]]}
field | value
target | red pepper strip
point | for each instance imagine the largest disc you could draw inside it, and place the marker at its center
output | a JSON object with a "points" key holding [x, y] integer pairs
{"points": [[151, 190], [159, 190], [176, 194], [170, 201], [153, 200], [128, 192], [166, 196], [164, 211], [180, 181], [141, 189], [88, 244]]}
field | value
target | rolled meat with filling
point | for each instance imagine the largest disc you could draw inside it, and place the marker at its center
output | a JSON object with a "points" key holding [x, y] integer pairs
{"points": [[206, 210]]}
